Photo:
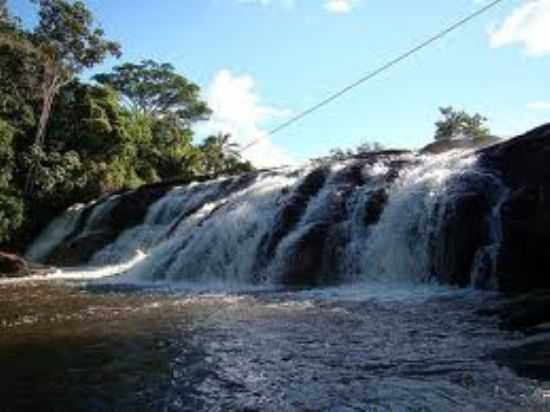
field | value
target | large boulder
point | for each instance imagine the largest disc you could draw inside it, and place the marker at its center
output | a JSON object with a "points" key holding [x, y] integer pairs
{"points": [[530, 314], [305, 261], [129, 210], [12, 266], [462, 222], [81, 249], [289, 215], [462, 232], [523, 164]]}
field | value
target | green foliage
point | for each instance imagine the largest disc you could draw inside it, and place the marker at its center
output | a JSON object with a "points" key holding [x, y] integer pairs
{"points": [[154, 89], [18, 77], [220, 156], [11, 205], [87, 141], [11, 214], [365, 147], [57, 173], [459, 124], [68, 40], [6, 154]]}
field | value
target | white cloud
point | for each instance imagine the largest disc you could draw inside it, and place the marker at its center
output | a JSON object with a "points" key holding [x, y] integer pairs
{"points": [[339, 6], [333, 6], [527, 25], [237, 110], [539, 105]]}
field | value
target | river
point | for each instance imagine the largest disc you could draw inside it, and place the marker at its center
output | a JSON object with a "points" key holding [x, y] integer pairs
{"points": [[100, 345]]}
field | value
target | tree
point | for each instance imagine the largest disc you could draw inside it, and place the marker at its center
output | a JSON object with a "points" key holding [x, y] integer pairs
{"points": [[154, 89], [363, 148], [369, 147], [220, 156], [67, 42], [459, 124], [4, 14], [11, 206]]}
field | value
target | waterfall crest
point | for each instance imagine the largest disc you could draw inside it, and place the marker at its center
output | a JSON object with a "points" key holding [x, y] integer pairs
{"points": [[386, 216]]}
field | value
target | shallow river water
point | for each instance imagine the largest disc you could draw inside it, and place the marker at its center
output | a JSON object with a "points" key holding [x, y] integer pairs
{"points": [[67, 345]]}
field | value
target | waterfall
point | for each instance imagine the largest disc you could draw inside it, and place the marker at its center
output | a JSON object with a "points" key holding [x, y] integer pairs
{"points": [[485, 264], [55, 233], [382, 216], [398, 246]]}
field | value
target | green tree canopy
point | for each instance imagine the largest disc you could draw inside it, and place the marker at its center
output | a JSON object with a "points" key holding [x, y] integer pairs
{"points": [[220, 156], [155, 89], [67, 42], [459, 124], [70, 141]]}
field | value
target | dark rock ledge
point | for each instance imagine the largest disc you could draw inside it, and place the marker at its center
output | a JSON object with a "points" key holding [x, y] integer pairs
{"points": [[13, 266], [528, 314]]}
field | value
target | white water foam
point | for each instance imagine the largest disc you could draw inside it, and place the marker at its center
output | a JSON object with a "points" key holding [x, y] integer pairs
{"points": [[398, 246], [192, 234], [54, 234], [222, 247]]}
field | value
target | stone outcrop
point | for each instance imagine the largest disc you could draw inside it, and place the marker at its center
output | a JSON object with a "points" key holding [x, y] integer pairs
{"points": [[130, 210], [12, 266], [528, 313], [523, 164], [442, 146]]}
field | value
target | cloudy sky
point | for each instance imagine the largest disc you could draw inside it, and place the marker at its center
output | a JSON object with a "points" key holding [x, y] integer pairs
{"points": [[261, 61]]}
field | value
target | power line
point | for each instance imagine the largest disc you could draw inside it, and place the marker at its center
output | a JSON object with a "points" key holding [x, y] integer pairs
{"points": [[376, 72]]}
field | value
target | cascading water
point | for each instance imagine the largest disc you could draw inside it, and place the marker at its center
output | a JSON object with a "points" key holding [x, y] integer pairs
{"points": [[56, 232], [398, 246], [196, 291], [374, 217]]}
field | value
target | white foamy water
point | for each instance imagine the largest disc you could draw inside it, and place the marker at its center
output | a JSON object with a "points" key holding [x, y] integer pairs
{"points": [[222, 247], [398, 246], [55, 233], [213, 231]]}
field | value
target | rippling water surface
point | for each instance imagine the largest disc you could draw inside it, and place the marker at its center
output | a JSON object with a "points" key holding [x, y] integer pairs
{"points": [[67, 345]]}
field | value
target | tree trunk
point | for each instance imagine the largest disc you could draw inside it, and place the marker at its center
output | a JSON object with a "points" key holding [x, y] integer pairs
{"points": [[47, 102]]}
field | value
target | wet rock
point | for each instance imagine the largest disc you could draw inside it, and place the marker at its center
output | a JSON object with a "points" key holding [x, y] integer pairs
{"points": [[80, 250], [524, 256], [531, 359], [453, 144], [304, 264], [375, 206], [524, 312], [12, 266], [462, 228], [523, 163], [289, 215], [528, 313], [129, 210], [462, 231]]}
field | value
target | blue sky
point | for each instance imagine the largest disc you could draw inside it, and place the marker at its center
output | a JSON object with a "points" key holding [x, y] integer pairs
{"points": [[260, 61]]}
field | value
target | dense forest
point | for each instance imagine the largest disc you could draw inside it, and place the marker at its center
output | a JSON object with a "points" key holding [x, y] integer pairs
{"points": [[65, 140]]}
